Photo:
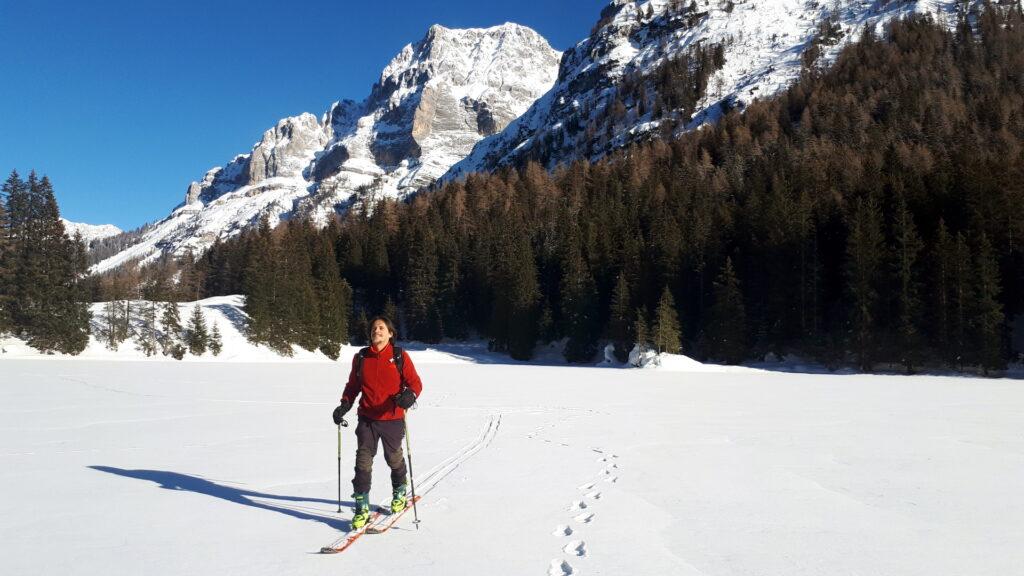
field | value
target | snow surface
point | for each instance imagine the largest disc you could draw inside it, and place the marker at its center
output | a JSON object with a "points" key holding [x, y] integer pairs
{"points": [[89, 232], [165, 467]]}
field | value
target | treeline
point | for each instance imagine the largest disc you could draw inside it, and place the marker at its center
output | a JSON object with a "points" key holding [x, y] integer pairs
{"points": [[42, 299], [871, 214], [103, 248]]}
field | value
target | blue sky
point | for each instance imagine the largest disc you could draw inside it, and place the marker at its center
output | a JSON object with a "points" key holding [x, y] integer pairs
{"points": [[122, 104]]}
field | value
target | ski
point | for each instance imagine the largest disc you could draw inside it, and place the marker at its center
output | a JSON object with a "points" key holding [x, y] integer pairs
{"points": [[389, 520], [351, 536]]}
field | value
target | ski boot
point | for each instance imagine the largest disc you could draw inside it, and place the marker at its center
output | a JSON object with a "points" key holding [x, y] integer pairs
{"points": [[362, 509], [398, 499]]}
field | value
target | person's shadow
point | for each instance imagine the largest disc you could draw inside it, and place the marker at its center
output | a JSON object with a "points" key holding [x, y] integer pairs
{"points": [[176, 481]]}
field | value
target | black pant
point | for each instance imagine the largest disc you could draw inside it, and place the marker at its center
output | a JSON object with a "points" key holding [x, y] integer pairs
{"points": [[390, 433]]}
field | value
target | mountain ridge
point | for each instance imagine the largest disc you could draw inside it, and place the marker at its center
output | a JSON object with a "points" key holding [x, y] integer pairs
{"points": [[431, 103]]}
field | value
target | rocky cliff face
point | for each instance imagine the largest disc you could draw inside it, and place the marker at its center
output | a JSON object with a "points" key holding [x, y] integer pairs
{"points": [[607, 91], [433, 102]]}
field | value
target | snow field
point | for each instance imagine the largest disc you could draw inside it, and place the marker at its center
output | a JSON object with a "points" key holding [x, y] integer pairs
{"points": [[231, 467]]}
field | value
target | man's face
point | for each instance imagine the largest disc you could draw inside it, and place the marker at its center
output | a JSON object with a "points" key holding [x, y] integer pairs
{"points": [[379, 334]]}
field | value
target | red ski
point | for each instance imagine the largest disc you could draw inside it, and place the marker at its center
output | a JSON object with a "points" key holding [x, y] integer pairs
{"points": [[378, 523], [351, 536], [389, 520]]}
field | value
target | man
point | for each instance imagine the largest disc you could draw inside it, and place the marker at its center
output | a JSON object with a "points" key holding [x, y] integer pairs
{"points": [[389, 384]]}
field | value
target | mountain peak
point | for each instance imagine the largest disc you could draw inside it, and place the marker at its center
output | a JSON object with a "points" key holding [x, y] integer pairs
{"points": [[89, 232], [434, 100]]}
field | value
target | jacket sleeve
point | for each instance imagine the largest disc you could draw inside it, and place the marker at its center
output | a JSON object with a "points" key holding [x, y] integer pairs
{"points": [[352, 388], [411, 377]]}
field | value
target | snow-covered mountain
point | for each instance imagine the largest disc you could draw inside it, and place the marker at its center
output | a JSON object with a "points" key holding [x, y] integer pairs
{"points": [[90, 232], [433, 102], [762, 45], [460, 101]]}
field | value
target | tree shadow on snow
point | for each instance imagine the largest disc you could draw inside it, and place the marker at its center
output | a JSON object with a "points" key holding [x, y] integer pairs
{"points": [[234, 315], [184, 482]]}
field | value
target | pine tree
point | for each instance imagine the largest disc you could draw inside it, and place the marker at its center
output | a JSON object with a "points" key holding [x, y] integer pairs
{"points": [[391, 311], [148, 332], [48, 306], [579, 306], [5, 260], [987, 315], [376, 258], [727, 324], [942, 259], [361, 330], [666, 333], [259, 285], [516, 294], [216, 341], [170, 337], [111, 331], [332, 299], [122, 320], [961, 302], [908, 245], [301, 310], [450, 298], [421, 287], [621, 320], [641, 331], [864, 249], [196, 337]]}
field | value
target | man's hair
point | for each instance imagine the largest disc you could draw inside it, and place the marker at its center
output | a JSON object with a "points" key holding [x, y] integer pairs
{"points": [[387, 322]]}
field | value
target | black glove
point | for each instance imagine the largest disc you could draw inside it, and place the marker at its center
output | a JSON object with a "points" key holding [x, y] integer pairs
{"points": [[405, 398], [340, 411]]}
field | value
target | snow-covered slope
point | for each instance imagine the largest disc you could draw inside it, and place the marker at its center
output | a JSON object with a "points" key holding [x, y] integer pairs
{"points": [[762, 42], [433, 102], [90, 232]]}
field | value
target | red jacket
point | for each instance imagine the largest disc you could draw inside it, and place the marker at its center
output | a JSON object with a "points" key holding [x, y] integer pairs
{"points": [[379, 383]]}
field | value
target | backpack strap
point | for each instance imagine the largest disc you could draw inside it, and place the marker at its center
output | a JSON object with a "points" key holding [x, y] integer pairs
{"points": [[359, 363], [399, 358]]}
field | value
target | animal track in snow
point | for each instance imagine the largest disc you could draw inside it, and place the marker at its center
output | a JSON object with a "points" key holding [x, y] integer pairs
{"points": [[577, 505], [562, 530], [586, 486], [584, 518], [576, 547], [595, 495], [612, 479], [559, 568]]}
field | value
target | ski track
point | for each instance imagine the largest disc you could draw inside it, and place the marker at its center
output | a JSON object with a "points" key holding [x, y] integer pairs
{"points": [[430, 480]]}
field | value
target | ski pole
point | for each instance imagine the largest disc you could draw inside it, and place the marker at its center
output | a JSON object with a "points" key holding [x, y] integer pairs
{"points": [[343, 423], [412, 485]]}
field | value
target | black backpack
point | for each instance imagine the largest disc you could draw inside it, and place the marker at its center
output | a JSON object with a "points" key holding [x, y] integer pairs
{"points": [[398, 357]]}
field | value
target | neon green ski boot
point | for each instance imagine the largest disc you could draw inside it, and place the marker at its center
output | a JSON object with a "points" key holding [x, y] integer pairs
{"points": [[398, 499], [362, 510]]}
